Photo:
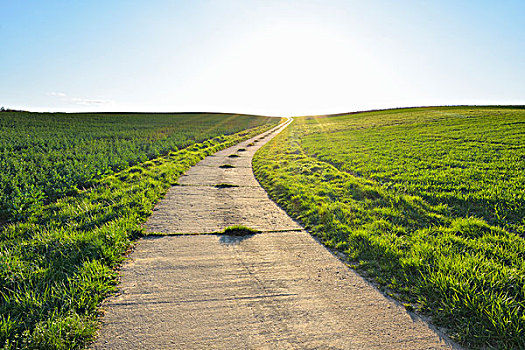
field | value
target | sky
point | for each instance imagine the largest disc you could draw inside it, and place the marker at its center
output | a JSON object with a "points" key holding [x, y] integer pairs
{"points": [[266, 57]]}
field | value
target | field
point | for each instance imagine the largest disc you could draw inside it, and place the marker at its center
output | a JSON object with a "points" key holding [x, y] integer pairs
{"points": [[44, 157], [75, 190], [427, 202]]}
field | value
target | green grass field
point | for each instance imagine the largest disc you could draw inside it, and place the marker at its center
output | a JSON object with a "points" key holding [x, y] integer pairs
{"points": [[428, 202], [80, 186], [46, 156]]}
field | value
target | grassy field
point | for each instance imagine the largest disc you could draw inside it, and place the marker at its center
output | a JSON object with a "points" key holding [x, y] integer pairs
{"points": [[46, 156], [59, 248], [428, 202]]}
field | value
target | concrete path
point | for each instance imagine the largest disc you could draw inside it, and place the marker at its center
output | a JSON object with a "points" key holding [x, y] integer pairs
{"points": [[276, 290], [197, 205]]}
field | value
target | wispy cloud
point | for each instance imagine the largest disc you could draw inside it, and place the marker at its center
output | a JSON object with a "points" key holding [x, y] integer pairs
{"points": [[58, 94], [86, 101], [78, 100]]}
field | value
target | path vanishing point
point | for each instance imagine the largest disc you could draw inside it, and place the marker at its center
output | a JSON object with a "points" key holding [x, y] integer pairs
{"points": [[279, 289]]}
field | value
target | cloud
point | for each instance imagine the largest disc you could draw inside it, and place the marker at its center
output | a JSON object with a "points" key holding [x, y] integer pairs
{"points": [[58, 94], [86, 101], [78, 100]]}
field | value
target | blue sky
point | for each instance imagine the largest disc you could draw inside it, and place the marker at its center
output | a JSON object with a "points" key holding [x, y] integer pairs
{"points": [[262, 57]]}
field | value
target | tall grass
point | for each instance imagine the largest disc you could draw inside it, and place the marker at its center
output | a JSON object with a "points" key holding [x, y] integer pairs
{"points": [[46, 156]]}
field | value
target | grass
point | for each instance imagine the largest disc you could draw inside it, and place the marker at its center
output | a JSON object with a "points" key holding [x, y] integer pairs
{"points": [[59, 263], [239, 230], [47, 156], [428, 202], [235, 230], [233, 156], [241, 150], [225, 185]]}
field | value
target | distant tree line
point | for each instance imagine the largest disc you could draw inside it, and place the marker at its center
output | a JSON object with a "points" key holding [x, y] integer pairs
{"points": [[3, 109]]}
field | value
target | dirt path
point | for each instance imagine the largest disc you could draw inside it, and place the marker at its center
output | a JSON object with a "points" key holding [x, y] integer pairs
{"points": [[274, 290]]}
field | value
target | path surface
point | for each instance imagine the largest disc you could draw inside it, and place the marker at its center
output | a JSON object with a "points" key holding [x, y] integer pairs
{"points": [[274, 290]]}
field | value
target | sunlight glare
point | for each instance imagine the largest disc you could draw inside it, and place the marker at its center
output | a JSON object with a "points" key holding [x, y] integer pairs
{"points": [[294, 64]]}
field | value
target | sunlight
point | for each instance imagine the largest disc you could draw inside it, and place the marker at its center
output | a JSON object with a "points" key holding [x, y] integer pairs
{"points": [[293, 67]]}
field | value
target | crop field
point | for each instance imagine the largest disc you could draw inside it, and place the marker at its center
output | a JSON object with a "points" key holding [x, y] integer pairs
{"points": [[46, 156], [75, 189], [427, 202]]}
